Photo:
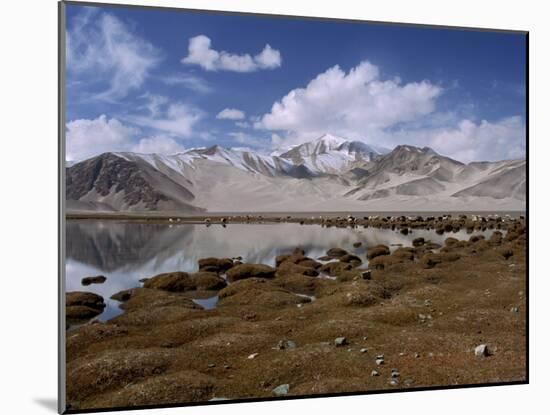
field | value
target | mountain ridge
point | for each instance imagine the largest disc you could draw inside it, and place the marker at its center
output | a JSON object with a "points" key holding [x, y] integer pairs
{"points": [[330, 173]]}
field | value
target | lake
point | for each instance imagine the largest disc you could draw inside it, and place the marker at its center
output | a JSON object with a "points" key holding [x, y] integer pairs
{"points": [[126, 252]]}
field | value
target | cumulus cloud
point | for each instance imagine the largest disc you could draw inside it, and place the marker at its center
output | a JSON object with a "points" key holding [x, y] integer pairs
{"points": [[104, 50], [350, 104], [158, 144], [86, 138], [231, 114], [359, 105], [470, 141], [201, 53]]}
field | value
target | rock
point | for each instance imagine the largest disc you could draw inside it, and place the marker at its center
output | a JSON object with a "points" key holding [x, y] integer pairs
{"points": [[98, 279], [80, 305], [335, 268], [366, 275], [375, 373], [170, 281], [253, 355], [377, 250], [281, 390], [182, 281], [417, 355], [506, 252], [363, 350], [418, 241], [351, 259], [514, 310], [286, 344], [215, 264], [393, 382], [395, 373], [243, 271], [340, 341], [336, 253], [288, 268], [357, 244], [404, 231], [481, 351], [379, 361]]}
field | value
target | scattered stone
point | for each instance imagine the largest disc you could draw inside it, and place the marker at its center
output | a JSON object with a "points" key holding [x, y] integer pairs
{"points": [[418, 241], [481, 351], [243, 271], [335, 253], [364, 350], [286, 344], [393, 382], [375, 373], [408, 381], [211, 365], [357, 244], [281, 390], [417, 355], [98, 279], [377, 250], [253, 355], [379, 361], [340, 341], [514, 310], [394, 373]]}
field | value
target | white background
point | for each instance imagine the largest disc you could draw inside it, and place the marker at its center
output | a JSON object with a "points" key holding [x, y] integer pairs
{"points": [[28, 192]]}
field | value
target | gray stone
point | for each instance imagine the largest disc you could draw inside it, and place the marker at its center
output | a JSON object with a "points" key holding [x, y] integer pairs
{"points": [[393, 382], [514, 310], [379, 361], [375, 373], [481, 351], [364, 350], [340, 341], [281, 390]]}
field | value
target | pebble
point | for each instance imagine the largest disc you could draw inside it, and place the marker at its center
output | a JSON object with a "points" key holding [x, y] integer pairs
{"points": [[364, 350], [340, 341], [481, 351], [281, 390], [394, 382], [375, 373], [394, 373], [514, 310], [211, 365], [379, 361], [417, 355], [253, 355]]}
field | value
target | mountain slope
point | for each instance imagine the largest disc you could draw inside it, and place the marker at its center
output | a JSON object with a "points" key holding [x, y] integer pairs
{"points": [[328, 174]]}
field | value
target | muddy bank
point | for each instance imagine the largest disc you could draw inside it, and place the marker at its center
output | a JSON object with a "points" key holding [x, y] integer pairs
{"points": [[301, 325]]}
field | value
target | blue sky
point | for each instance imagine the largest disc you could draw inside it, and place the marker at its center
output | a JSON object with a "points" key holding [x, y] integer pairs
{"points": [[164, 81]]}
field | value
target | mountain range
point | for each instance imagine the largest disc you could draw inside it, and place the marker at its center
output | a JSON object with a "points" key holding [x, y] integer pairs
{"points": [[327, 174]]}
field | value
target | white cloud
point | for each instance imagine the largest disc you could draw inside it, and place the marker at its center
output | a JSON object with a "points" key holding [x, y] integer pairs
{"points": [[189, 81], [469, 141], [175, 119], [103, 49], [86, 138], [200, 53], [242, 124], [350, 104], [247, 139], [231, 114], [158, 144]]}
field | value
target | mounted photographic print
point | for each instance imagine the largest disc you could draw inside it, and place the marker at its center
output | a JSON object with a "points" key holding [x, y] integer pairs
{"points": [[259, 207]]}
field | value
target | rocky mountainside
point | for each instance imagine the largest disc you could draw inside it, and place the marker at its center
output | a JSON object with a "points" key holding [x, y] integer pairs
{"points": [[327, 174]]}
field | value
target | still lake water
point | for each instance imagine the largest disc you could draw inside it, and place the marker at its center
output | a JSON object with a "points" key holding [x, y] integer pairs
{"points": [[126, 252]]}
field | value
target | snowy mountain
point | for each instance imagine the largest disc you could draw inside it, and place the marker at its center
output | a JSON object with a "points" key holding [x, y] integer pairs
{"points": [[330, 154], [329, 173]]}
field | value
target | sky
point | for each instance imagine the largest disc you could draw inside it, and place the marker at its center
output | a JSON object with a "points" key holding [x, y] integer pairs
{"points": [[164, 81]]}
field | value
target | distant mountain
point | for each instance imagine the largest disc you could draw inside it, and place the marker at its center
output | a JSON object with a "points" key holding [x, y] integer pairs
{"points": [[327, 174], [330, 154]]}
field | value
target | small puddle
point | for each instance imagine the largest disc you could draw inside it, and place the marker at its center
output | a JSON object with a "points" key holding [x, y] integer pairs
{"points": [[207, 303]]}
